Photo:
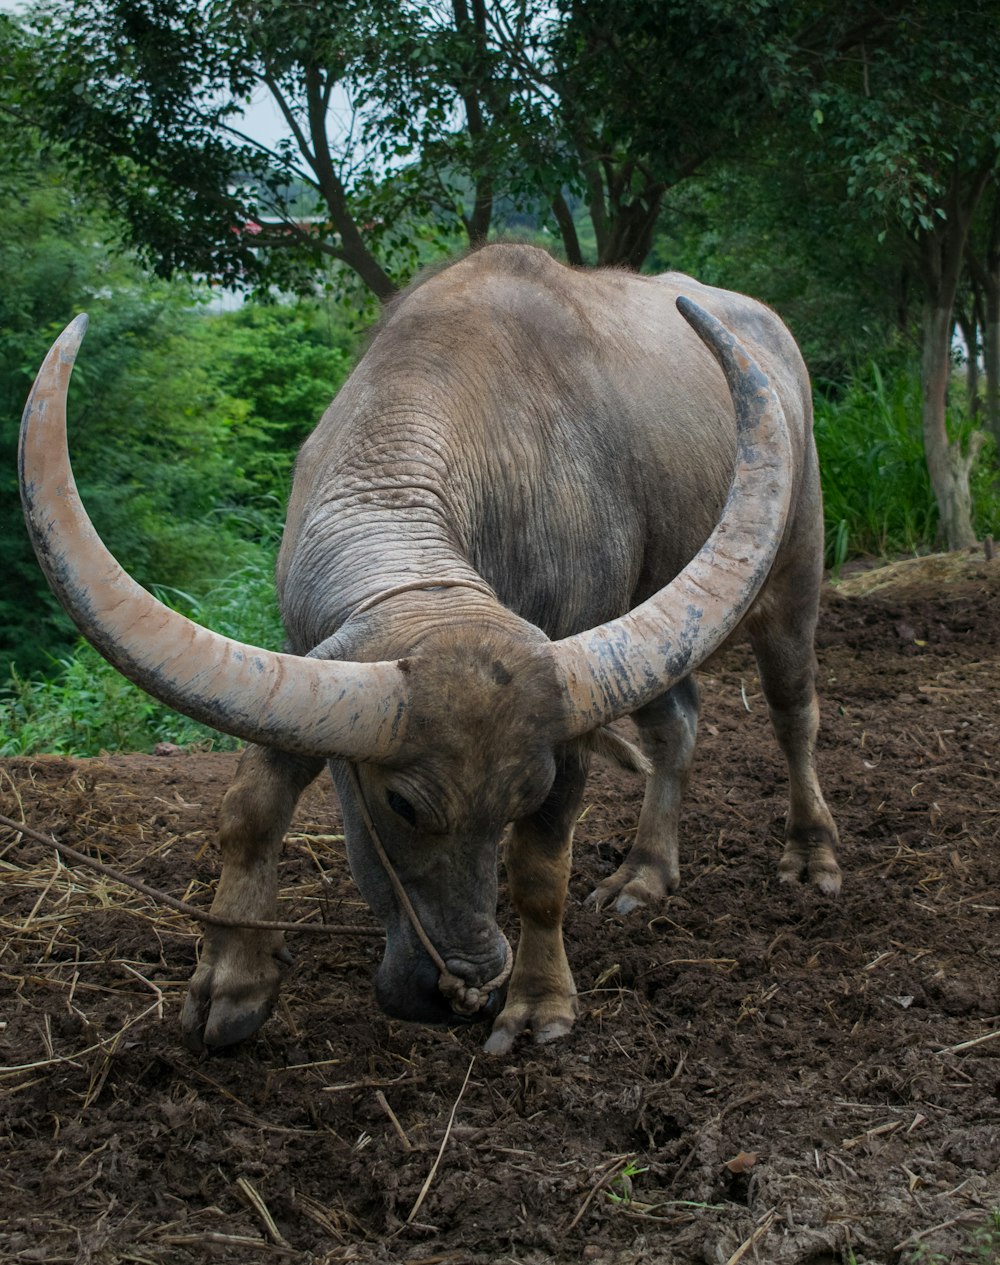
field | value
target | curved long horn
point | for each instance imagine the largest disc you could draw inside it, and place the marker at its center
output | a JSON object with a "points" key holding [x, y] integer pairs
{"points": [[306, 706], [615, 668]]}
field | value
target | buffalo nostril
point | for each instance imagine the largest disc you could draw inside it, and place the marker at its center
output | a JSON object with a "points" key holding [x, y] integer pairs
{"points": [[476, 1000]]}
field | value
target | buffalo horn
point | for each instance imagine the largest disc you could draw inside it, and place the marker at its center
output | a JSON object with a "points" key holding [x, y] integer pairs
{"points": [[306, 706], [619, 666]]}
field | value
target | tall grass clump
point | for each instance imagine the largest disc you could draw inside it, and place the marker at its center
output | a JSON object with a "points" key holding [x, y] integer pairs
{"points": [[85, 706], [877, 494]]}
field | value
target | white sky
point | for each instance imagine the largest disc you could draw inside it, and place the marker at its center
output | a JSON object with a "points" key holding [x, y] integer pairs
{"points": [[262, 120]]}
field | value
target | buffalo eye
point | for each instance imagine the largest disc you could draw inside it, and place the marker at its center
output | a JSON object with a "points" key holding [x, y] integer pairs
{"points": [[402, 807]]}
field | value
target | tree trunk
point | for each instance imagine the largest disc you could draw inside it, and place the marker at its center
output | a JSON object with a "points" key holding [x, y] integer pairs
{"points": [[970, 335], [941, 251], [353, 250], [567, 230], [596, 204], [631, 232], [991, 359], [948, 466], [473, 28], [983, 259]]}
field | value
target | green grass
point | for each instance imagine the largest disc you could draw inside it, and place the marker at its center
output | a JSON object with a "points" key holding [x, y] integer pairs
{"points": [[981, 1246], [620, 1190], [877, 494], [85, 706]]}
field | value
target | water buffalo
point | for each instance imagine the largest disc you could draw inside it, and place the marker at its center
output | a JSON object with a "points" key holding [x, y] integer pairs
{"points": [[510, 528]]}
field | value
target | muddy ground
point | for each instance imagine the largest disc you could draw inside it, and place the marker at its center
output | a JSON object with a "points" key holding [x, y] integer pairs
{"points": [[757, 1073]]}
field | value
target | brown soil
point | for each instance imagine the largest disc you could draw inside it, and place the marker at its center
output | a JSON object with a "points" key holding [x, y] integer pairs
{"points": [[757, 1073]]}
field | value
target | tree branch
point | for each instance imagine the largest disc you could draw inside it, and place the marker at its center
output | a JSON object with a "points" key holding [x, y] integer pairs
{"points": [[354, 252], [477, 225], [567, 230], [266, 150], [289, 116]]}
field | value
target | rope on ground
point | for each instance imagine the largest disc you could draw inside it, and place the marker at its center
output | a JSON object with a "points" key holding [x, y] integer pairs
{"points": [[181, 906]]}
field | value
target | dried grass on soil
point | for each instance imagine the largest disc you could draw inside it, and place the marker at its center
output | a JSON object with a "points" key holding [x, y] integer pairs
{"points": [[757, 1073]]}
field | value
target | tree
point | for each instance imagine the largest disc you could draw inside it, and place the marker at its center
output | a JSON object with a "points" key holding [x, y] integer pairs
{"points": [[395, 116], [448, 107], [170, 408], [982, 253], [914, 115], [767, 226], [606, 104], [147, 96], [648, 91]]}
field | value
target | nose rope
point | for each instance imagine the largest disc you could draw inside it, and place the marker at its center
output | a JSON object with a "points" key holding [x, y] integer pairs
{"points": [[463, 999]]}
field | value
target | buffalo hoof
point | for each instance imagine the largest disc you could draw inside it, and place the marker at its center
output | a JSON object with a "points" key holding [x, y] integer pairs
{"points": [[633, 886], [811, 860], [547, 1020], [232, 992]]}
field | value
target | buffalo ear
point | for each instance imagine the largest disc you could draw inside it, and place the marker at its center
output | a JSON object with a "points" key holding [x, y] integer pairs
{"points": [[604, 742]]}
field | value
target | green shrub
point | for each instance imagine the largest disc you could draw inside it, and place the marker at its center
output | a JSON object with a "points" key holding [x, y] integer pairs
{"points": [[86, 706], [877, 494]]}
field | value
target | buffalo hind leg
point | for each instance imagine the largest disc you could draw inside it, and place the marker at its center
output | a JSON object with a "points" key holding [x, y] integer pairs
{"points": [[236, 983], [787, 664], [542, 996], [668, 727]]}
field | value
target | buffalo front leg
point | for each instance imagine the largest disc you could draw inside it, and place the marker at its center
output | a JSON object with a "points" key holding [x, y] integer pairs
{"points": [[668, 727], [542, 996], [236, 983]]}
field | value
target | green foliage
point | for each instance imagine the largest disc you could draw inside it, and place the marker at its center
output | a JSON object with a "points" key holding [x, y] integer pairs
{"points": [[54, 263], [981, 1246], [83, 710], [914, 123], [183, 423], [919, 108], [284, 364], [678, 82], [87, 707], [764, 228], [876, 490], [220, 407]]}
